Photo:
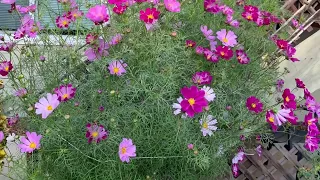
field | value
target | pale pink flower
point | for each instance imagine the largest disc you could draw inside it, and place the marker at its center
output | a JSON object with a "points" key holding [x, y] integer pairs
{"points": [[172, 5], [127, 150], [228, 38], [46, 106], [207, 33], [30, 144], [117, 67]]}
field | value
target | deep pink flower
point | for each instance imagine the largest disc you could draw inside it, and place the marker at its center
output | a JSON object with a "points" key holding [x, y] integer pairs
{"points": [[199, 50], [172, 5], [116, 39], [96, 133], [97, 52], [207, 33], [311, 143], [119, 9], [91, 38], [282, 116], [210, 56], [295, 23], [300, 83], [289, 99], [254, 104], [98, 14], [46, 106], [232, 22], [202, 78], [235, 170], [250, 16], [228, 38], [8, 47], [290, 51], [280, 83], [242, 57], [30, 144], [127, 150], [282, 44], [21, 92], [311, 104], [213, 45], [1, 136], [65, 92], [190, 43], [62, 22], [270, 118], [194, 100], [313, 129], [211, 6], [116, 2], [8, 1], [224, 52], [149, 15], [308, 119], [307, 94], [250, 8], [74, 14], [294, 59], [5, 68], [117, 67]]}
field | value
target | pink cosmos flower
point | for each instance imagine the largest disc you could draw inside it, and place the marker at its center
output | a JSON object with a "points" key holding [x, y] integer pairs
{"points": [[250, 16], [172, 5], [190, 43], [97, 52], [282, 44], [96, 133], [74, 14], [5, 68], [290, 51], [232, 22], [30, 144], [270, 118], [213, 45], [65, 92], [116, 2], [127, 150], [190, 146], [280, 83], [62, 22], [193, 101], [289, 99], [242, 57], [21, 92], [224, 52], [311, 104], [226, 10], [307, 94], [300, 83], [117, 67], [91, 38], [207, 33], [199, 50], [46, 106], [313, 130], [208, 125], [311, 143], [116, 39], [98, 14], [149, 15], [235, 170], [228, 38], [8, 47], [8, 1], [238, 157], [1, 136], [202, 78], [209, 94], [308, 119], [211, 6], [119, 9], [259, 150], [250, 8], [254, 104], [295, 23]]}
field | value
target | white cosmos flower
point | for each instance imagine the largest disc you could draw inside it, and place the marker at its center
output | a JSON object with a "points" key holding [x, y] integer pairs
{"points": [[210, 95]]}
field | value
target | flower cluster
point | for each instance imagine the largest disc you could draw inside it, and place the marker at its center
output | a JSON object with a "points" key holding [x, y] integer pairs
{"points": [[150, 17], [235, 163], [98, 14], [28, 28], [69, 16], [288, 49], [261, 18]]}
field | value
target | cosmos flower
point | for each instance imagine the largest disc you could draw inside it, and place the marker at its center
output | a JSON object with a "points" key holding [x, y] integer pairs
{"points": [[31, 143], [8, 1], [193, 101], [213, 45], [290, 51], [282, 44], [235, 170], [117, 67], [209, 94], [238, 157], [224, 52], [208, 125], [254, 104], [232, 22], [311, 143], [119, 9], [97, 52], [190, 43], [211, 6], [226, 10], [116, 39], [199, 50], [177, 106], [242, 57], [20, 92], [259, 150], [289, 99], [202, 78], [5, 68], [127, 150], [307, 94], [65, 92], [300, 83], [172, 5], [1, 136], [74, 14], [98, 14], [308, 119], [62, 22], [228, 38], [45, 106], [190, 146], [96, 133], [280, 117], [149, 15], [250, 8], [250, 16], [280, 83], [207, 33], [311, 104]]}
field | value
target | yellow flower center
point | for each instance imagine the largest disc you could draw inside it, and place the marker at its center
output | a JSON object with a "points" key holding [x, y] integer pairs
{"points": [[224, 40], [2, 153], [64, 22], [65, 96], [271, 119], [222, 53], [205, 125], [309, 122], [191, 101], [6, 68], [33, 145], [190, 44], [249, 17], [208, 57], [49, 108], [95, 134], [116, 70], [287, 99], [150, 16], [75, 15], [123, 150], [253, 105]]}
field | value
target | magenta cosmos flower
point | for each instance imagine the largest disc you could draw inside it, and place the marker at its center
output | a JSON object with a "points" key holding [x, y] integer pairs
{"points": [[119, 9], [250, 16], [1, 136], [91, 38], [308, 119], [289, 99], [98, 14], [210, 56], [96, 133], [211, 6], [30, 144], [127, 150], [172, 5], [282, 44], [202, 78], [228, 38], [311, 143], [224, 52], [5, 67], [8, 1], [207, 33], [65, 92], [254, 104], [311, 104], [199, 50], [242, 57], [97, 51], [62, 22], [46, 106], [190, 43], [300, 83], [194, 100], [116, 2], [74, 14], [280, 117], [117, 67], [149, 15]]}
